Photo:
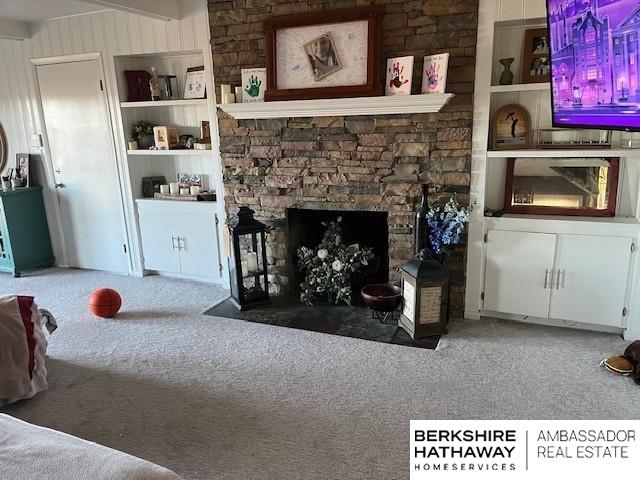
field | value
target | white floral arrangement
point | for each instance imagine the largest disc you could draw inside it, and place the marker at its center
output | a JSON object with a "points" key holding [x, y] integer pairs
{"points": [[329, 267]]}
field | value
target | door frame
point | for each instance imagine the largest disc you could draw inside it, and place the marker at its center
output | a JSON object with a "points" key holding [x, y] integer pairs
{"points": [[49, 168]]}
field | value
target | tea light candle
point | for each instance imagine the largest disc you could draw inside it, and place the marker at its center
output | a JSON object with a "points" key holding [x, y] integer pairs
{"points": [[252, 262], [184, 191], [195, 190], [174, 188], [164, 189]]}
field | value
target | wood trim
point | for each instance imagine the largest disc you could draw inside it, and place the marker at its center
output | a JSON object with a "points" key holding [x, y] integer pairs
{"points": [[577, 212], [80, 57], [373, 14]]}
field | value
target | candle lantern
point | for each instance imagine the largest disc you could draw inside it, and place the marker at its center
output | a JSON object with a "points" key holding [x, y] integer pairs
{"points": [[248, 263], [425, 291]]}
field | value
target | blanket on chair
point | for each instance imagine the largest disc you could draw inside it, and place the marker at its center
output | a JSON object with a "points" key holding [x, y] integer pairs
{"points": [[23, 347]]}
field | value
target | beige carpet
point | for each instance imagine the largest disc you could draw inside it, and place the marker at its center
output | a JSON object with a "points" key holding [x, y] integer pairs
{"points": [[218, 398]]}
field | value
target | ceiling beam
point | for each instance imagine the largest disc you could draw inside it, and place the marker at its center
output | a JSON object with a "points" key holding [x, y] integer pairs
{"points": [[159, 9], [13, 29]]}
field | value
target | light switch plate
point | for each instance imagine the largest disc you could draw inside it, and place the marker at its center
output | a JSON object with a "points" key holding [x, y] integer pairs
{"points": [[35, 140]]}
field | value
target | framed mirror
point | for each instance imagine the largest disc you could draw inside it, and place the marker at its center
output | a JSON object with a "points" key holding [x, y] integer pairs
{"points": [[562, 186], [4, 149]]}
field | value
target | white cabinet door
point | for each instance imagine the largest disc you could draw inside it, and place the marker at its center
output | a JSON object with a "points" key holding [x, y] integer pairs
{"points": [[592, 280], [159, 240], [198, 244], [518, 268]]}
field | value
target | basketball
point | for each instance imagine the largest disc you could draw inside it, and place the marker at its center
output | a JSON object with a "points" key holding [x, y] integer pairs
{"points": [[105, 302]]}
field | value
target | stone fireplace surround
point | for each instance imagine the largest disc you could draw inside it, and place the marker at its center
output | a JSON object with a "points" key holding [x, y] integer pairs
{"points": [[360, 163]]}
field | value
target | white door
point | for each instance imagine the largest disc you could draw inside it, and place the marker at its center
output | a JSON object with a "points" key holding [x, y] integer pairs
{"points": [[84, 161], [159, 240], [198, 244], [591, 279], [518, 272]]}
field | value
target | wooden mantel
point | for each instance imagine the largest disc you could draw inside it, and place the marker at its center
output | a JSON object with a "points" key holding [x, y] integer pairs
{"points": [[428, 103]]}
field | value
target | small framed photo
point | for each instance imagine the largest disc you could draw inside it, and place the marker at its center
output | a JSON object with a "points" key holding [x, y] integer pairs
{"points": [[22, 168], [195, 85], [323, 56], [511, 128], [536, 66], [151, 185], [399, 76], [254, 84], [434, 73]]}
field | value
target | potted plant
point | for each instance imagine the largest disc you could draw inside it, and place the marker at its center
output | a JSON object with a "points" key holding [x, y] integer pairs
{"points": [[142, 132]]}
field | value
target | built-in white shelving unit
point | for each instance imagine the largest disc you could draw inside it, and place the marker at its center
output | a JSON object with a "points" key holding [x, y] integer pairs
{"points": [[164, 103], [580, 241], [521, 87], [428, 103], [170, 153]]}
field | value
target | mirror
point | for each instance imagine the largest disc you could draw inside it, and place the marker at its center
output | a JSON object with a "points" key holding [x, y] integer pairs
{"points": [[562, 186], [4, 150]]}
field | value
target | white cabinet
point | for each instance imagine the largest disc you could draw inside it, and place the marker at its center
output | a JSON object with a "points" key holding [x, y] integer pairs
{"points": [[578, 278], [590, 279], [180, 238], [518, 271]]}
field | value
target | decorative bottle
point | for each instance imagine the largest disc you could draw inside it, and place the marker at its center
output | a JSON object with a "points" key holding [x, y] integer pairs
{"points": [[154, 85], [421, 220]]}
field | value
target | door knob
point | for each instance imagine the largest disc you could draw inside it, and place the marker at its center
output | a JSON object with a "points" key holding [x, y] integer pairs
{"points": [[59, 185]]}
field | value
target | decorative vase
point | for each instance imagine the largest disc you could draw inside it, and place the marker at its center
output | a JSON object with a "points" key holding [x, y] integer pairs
{"points": [[421, 220], [146, 141], [506, 78]]}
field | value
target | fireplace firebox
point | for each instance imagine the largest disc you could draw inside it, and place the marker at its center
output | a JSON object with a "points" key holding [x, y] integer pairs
{"points": [[368, 229]]}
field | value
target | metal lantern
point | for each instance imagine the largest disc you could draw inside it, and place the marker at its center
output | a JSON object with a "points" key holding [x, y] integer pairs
{"points": [[248, 263], [425, 291]]}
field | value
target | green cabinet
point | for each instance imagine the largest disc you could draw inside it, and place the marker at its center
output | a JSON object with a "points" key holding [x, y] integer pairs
{"points": [[24, 233]]}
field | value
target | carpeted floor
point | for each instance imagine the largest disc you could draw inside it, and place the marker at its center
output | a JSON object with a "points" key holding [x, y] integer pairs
{"points": [[228, 399]]}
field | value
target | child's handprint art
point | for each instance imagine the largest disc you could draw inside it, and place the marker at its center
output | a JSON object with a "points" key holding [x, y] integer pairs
{"points": [[399, 73], [253, 88], [254, 84], [432, 76], [397, 78]]}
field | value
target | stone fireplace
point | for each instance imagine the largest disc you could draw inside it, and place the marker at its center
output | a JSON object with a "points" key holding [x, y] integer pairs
{"points": [[349, 164]]}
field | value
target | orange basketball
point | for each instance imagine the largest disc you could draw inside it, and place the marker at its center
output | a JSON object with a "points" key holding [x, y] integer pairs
{"points": [[105, 302]]}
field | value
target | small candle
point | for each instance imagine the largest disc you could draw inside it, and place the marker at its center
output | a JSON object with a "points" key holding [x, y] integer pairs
{"points": [[252, 262], [164, 189], [184, 191], [195, 190], [174, 188]]}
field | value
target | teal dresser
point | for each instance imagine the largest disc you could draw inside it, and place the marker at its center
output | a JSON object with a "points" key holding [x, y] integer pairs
{"points": [[24, 234]]}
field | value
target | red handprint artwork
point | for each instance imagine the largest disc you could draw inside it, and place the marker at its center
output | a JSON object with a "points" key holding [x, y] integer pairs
{"points": [[397, 78]]}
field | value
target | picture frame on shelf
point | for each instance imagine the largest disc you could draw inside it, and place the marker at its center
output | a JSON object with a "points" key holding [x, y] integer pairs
{"points": [[195, 84], [328, 54], [399, 78], [138, 85], [586, 187], [254, 85], [511, 128], [434, 73], [536, 60], [23, 168], [151, 185]]}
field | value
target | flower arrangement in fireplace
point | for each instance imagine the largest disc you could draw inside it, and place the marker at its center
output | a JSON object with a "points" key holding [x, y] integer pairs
{"points": [[445, 224], [328, 268]]}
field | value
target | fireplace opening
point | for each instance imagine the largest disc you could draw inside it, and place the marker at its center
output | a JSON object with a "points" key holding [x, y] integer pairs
{"points": [[368, 229]]}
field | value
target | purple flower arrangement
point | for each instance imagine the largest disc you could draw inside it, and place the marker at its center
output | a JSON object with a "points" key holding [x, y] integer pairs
{"points": [[445, 225]]}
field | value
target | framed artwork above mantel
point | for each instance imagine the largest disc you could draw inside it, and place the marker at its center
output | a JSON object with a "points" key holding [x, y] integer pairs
{"points": [[326, 54]]}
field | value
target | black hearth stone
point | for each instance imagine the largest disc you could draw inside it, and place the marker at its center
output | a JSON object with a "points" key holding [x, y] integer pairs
{"points": [[355, 322]]}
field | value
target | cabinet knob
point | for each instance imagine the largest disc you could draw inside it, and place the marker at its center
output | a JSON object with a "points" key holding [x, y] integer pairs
{"points": [[59, 185]]}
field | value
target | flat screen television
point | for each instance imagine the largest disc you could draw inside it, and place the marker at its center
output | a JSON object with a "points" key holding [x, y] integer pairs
{"points": [[595, 63]]}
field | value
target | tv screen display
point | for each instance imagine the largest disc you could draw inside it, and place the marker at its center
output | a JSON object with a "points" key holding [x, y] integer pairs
{"points": [[595, 63]]}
